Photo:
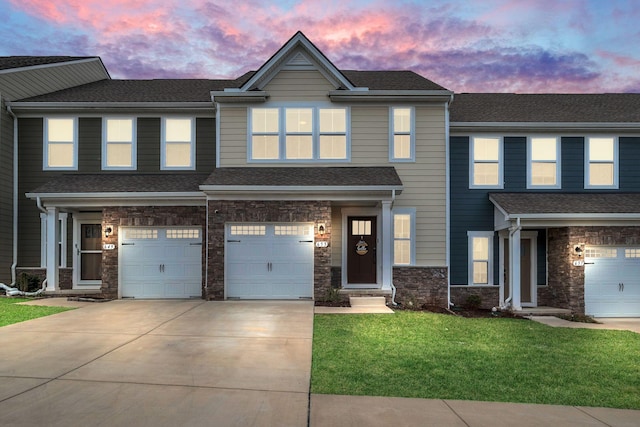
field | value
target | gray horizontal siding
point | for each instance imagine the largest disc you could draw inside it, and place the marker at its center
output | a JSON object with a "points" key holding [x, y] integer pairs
{"points": [[6, 194]]}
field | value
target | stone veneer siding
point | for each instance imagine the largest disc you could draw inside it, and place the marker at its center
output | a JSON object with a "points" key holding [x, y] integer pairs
{"points": [[144, 216], [65, 275], [225, 211], [419, 286], [489, 295]]}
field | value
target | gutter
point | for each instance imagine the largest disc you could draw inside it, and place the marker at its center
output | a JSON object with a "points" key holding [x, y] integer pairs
{"points": [[448, 199], [14, 265], [512, 231]]}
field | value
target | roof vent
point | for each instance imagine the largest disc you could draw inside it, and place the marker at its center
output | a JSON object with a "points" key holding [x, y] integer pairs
{"points": [[299, 60]]}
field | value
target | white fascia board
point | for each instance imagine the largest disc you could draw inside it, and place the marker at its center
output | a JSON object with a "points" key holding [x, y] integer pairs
{"points": [[577, 216], [120, 199], [391, 95], [68, 106], [298, 188], [461, 128], [52, 64], [238, 96], [297, 196]]}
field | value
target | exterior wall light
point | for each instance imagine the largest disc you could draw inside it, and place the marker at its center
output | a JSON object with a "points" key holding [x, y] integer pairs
{"points": [[578, 250], [321, 229], [107, 231]]}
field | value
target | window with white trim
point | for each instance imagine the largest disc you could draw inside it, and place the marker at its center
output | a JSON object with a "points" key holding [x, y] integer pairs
{"points": [[543, 165], [178, 143], [601, 162], [60, 144], [298, 134], [118, 143], [404, 236], [480, 257], [485, 166], [62, 240], [402, 134]]}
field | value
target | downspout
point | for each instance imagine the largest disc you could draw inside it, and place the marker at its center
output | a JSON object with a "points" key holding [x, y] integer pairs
{"points": [[393, 287], [447, 227], [11, 290], [512, 231]]}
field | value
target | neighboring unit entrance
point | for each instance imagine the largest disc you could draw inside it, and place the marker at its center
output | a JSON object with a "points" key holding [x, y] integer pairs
{"points": [[269, 261], [158, 262], [361, 250], [612, 281], [527, 291]]}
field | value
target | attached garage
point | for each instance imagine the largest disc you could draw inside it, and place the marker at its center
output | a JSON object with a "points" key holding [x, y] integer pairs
{"points": [[612, 281], [160, 262], [269, 261]]}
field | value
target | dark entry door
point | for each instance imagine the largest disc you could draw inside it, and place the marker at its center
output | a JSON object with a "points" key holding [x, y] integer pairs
{"points": [[361, 250]]}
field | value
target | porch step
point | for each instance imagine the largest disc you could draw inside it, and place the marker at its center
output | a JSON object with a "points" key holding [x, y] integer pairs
{"points": [[367, 301], [543, 311]]}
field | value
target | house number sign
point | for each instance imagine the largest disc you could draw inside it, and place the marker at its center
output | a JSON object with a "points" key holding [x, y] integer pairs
{"points": [[361, 247], [108, 246]]}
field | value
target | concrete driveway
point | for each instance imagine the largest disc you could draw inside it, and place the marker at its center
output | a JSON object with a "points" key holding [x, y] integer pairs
{"points": [[159, 363]]}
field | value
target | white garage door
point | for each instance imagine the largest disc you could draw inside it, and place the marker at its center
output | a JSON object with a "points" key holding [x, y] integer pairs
{"points": [[160, 262], [612, 281], [269, 261]]}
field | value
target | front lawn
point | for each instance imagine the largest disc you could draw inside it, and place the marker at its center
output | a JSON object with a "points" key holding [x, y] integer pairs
{"points": [[11, 313], [427, 355]]}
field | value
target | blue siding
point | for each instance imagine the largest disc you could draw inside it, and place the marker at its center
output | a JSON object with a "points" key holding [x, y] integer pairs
{"points": [[471, 209]]}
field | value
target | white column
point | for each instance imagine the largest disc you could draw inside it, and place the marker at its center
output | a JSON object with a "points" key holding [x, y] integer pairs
{"points": [[53, 259], [387, 241], [514, 268]]}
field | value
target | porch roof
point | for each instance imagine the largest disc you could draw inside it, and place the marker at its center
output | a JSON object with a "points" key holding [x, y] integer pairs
{"points": [[565, 209]]}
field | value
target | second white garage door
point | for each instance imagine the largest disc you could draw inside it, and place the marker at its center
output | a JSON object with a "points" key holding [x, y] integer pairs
{"points": [[269, 261], [612, 281], [158, 262]]}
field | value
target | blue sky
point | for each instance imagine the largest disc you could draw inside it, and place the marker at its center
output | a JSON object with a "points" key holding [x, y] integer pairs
{"points": [[467, 46]]}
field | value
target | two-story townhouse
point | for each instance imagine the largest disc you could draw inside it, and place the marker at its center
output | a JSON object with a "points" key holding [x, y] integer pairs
{"points": [[545, 201], [288, 182], [22, 77]]}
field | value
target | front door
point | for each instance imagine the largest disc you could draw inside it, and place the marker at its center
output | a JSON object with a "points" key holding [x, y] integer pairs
{"points": [[526, 290], [88, 254], [361, 250]]}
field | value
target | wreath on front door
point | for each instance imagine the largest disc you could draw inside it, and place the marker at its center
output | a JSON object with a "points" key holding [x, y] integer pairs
{"points": [[361, 247]]}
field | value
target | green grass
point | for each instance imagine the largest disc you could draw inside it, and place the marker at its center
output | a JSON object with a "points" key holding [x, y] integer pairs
{"points": [[11, 313], [427, 355]]}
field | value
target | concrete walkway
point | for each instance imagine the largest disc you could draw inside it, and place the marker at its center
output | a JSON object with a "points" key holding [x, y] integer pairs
{"points": [[615, 323], [196, 363]]}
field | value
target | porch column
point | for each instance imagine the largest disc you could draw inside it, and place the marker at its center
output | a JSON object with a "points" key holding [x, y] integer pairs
{"points": [[387, 261], [514, 267], [53, 256]]}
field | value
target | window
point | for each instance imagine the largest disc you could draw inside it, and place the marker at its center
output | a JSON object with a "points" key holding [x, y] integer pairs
{"points": [[178, 143], [62, 240], [401, 134], [60, 144], [601, 162], [486, 162], [543, 162], [119, 143], [404, 225], [480, 257], [298, 134]]}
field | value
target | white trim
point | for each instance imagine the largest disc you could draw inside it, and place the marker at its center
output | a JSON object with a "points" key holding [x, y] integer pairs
{"points": [[374, 212], [557, 162], [133, 143], [524, 235], [412, 236], [163, 142], [218, 107], [46, 143], [315, 132], [52, 64], [62, 243], [463, 128], [500, 162], [587, 163], [480, 234], [411, 133]]}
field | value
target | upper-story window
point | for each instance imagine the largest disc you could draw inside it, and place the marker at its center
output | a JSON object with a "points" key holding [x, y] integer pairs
{"points": [[401, 135], [298, 134], [60, 144], [119, 143], [178, 143], [485, 165], [601, 162], [543, 166]]}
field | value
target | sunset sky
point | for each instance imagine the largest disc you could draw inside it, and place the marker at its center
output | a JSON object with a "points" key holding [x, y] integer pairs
{"points": [[467, 46]]}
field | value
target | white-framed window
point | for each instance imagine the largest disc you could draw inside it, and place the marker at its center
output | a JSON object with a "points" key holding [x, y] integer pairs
{"points": [[601, 162], [118, 143], [178, 143], [404, 236], [60, 143], [298, 134], [401, 134], [543, 162], [485, 162], [62, 240], [480, 257]]}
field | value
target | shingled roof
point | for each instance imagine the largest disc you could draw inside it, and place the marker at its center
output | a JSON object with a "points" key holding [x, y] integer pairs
{"points": [[305, 176], [122, 183], [516, 204], [10, 62], [543, 108]]}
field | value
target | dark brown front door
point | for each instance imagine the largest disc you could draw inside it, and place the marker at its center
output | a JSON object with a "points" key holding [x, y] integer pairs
{"points": [[525, 271], [361, 250]]}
